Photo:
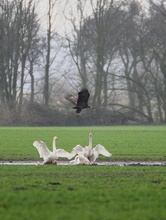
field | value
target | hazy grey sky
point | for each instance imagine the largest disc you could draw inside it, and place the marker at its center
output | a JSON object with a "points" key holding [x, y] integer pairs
{"points": [[63, 9]]}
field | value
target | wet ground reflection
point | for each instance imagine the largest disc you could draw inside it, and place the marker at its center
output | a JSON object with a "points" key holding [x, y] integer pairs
{"points": [[108, 163]]}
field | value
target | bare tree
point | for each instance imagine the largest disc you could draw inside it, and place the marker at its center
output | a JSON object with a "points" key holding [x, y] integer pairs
{"points": [[157, 28], [77, 45], [19, 26], [29, 36], [47, 65], [94, 46]]}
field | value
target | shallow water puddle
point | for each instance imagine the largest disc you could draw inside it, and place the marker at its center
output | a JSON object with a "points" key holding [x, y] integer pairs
{"points": [[108, 163]]}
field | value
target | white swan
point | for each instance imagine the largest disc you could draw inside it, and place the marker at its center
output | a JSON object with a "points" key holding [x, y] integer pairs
{"points": [[90, 153], [48, 156], [79, 159]]}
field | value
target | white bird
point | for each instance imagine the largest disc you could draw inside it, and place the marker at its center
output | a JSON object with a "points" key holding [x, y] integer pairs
{"points": [[90, 153], [48, 156], [79, 159]]}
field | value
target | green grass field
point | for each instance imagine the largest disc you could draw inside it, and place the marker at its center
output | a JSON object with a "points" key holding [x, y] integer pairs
{"points": [[84, 192], [124, 142]]}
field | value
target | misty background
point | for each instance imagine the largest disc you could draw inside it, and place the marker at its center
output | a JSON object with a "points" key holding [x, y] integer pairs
{"points": [[49, 49]]}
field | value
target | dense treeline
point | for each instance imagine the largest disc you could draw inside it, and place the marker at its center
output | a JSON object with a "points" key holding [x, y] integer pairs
{"points": [[118, 52]]}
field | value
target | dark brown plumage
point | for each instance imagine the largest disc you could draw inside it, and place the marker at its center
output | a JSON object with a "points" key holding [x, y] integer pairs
{"points": [[81, 102]]}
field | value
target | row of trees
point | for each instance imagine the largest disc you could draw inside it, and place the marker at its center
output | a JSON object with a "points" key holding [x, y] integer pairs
{"points": [[118, 52]]}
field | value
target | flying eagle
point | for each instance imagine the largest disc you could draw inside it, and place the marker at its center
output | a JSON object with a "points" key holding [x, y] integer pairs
{"points": [[81, 101]]}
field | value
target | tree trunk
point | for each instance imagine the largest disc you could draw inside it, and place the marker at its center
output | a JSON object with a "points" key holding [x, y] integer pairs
{"points": [[47, 66]]}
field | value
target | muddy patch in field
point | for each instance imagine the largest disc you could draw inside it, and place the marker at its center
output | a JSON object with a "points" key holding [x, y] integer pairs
{"points": [[107, 163]]}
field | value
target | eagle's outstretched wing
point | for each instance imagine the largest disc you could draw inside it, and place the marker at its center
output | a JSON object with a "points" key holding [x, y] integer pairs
{"points": [[72, 99]]}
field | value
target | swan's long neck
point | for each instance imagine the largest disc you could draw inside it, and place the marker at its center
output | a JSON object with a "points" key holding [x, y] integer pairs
{"points": [[90, 141], [54, 144]]}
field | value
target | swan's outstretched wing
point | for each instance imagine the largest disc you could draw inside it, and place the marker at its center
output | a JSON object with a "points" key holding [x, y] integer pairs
{"points": [[99, 149], [62, 153], [42, 149], [78, 149]]}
